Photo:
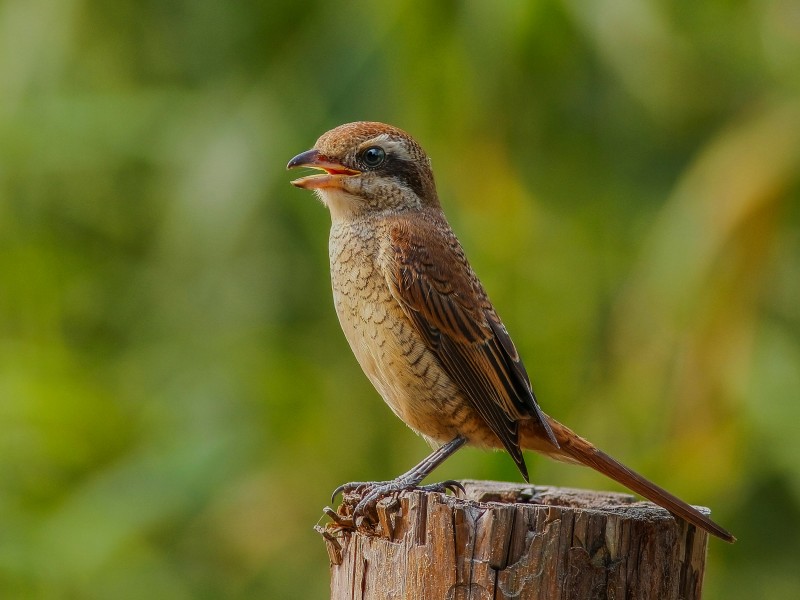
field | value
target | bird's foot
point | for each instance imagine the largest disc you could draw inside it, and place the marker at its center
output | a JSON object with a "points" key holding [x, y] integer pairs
{"points": [[366, 494]]}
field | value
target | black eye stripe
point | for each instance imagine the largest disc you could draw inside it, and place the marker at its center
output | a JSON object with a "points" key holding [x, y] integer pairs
{"points": [[402, 170], [409, 174]]}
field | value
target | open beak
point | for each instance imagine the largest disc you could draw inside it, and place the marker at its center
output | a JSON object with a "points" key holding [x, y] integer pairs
{"points": [[333, 171]]}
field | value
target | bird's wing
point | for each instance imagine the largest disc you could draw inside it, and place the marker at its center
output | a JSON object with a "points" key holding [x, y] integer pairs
{"points": [[431, 279]]}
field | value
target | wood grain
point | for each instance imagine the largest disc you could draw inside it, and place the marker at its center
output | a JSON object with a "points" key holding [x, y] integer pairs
{"points": [[521, 542]]}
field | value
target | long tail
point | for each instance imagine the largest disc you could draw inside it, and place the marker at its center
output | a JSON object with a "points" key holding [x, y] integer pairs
{"points": [[574, 448]]}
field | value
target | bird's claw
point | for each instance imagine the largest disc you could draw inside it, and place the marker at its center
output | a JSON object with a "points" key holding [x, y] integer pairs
{"points": [[353, 486], [443, 486], [369, 500], [374, 491]]}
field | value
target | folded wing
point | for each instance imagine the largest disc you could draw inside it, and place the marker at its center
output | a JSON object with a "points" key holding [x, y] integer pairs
{"points": [[432, 281]]}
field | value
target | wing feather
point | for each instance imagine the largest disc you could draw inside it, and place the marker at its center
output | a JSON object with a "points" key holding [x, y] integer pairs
{"points": [[432, 281]]}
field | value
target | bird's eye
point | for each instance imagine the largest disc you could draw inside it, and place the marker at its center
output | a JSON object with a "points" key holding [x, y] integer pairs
{"points": [[373, 156]]}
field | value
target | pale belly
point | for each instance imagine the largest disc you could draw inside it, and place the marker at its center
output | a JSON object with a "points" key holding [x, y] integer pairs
{"points": [[397, 363], [392, 355]]}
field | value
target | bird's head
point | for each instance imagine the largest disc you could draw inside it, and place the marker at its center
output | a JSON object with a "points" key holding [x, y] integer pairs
{"points": [[367, 167]]}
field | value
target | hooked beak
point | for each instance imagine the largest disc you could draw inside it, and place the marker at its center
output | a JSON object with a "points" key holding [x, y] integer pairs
{"points": [[331, 178]]}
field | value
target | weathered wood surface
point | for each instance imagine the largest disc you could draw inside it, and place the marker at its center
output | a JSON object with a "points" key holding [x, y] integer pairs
{"points": [[521, 542]]}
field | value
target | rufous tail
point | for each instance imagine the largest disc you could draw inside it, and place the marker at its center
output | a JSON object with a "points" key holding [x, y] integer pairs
{"points": [[574, 448]]}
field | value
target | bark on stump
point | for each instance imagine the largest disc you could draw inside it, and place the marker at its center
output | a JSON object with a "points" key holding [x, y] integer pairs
{"points": [[507, 541]]}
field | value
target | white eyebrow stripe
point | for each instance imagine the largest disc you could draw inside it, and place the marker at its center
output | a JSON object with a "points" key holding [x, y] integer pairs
{"points": [[394, 147]]}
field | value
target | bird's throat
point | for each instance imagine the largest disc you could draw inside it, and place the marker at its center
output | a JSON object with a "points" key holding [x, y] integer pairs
{"points": [[343, 206]]}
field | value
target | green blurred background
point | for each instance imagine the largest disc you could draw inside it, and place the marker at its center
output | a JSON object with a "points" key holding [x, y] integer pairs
{"points": [[176, 398]]}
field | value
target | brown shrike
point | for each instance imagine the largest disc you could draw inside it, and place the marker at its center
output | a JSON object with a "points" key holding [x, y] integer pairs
{"points": [[420, 323]]}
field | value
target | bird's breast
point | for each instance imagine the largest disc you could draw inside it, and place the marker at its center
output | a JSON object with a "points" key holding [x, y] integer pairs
{"points": [[391, 353]]}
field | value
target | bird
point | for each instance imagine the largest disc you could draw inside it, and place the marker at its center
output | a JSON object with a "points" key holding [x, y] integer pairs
{"points": [[421, 325]]}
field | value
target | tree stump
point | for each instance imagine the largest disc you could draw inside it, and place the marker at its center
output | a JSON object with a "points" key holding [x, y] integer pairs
{"points": [[521, 542]]}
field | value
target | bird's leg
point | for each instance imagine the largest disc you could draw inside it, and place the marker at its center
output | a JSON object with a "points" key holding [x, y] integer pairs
{"points": [[375, 490]]}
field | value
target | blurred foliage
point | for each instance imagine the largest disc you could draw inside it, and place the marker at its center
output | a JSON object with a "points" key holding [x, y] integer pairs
{"points": [[176, 399]]}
